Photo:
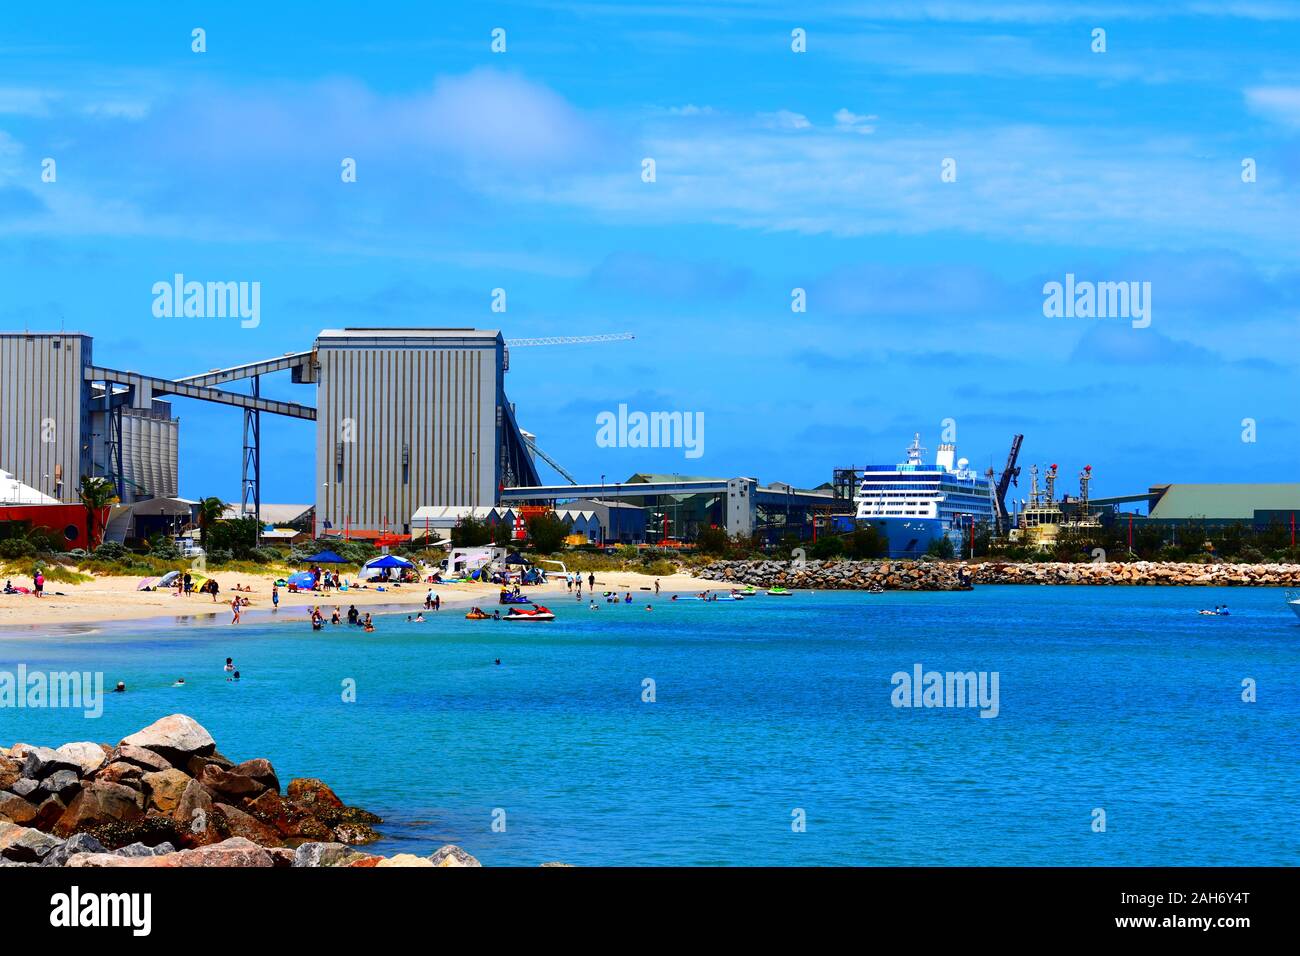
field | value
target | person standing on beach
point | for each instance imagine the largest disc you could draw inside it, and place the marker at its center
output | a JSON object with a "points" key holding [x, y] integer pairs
{"points": [[591, 581], [235, 607], [437, 602], [212, 589], [38, 582], [656, 587], [275, 597]]}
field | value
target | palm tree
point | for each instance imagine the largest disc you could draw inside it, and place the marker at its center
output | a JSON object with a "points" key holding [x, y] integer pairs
{"points": [[210, 512], [97, 494]]}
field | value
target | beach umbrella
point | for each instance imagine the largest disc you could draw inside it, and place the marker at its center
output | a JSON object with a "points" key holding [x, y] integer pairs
{"points": [[303, 579], [168, 579], [389, 561], [145, 583], [327, 557]]}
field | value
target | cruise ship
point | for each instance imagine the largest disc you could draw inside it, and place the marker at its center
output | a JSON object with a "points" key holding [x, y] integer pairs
{"points": [[911, 504]]}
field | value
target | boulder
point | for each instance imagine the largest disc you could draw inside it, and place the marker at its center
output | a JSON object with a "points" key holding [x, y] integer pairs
{"points": [[48, 812], [450, 855], [25, 787], [355, 834], [193, 816], [86, 757], [142, 849], [175, 738], [259, 770], [119, 771], [153, 829], [281, 856], [15, 809], [43, 761], [62, 783], [194, 765], [325, 854], [237, 823], [404, 859], [312, 793], [11, 771], [25, 844], [228, 783], [144, 759], [235, 852], [103, 860], [165, 788], [77, 843], [100, 803], [288, 818]]}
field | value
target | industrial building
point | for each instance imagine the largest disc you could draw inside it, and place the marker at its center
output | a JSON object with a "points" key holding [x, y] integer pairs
{"points": [[1254, 505]]}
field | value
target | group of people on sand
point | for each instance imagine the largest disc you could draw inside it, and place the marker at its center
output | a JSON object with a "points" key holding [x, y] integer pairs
{"points": [[37, 588]]}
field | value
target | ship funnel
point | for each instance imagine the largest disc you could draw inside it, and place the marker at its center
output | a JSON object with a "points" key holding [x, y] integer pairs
{"points": [[945, 456]]}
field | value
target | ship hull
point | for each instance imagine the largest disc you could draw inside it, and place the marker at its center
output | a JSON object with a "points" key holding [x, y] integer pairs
{"points": [[911, 537]]}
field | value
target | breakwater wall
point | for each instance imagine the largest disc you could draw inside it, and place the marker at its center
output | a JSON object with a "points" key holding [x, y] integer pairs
{"points": [[945, 575]]}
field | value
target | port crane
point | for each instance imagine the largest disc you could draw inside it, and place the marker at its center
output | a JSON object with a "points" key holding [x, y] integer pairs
{"points": [[1008, 478]]}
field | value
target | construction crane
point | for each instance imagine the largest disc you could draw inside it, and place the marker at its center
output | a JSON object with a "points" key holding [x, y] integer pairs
{"points": [[564, 340], [1008, 478]]}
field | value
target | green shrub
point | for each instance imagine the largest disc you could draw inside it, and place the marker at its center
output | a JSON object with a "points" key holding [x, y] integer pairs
{"points": [[13, 548], [713, 541], [220, 556], [110, 551]]}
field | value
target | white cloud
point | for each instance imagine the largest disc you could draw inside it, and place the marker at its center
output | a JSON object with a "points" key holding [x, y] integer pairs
{"points": [[1281, 104], [784, 119], [848, 122]]}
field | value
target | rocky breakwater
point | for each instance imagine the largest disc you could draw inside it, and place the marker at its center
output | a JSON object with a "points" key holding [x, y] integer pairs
{"points": [[1174, 573], [840, 575], [165, 797]]}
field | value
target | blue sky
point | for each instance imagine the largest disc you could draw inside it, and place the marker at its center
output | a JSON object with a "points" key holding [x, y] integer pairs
{"points": [[775, 170]]}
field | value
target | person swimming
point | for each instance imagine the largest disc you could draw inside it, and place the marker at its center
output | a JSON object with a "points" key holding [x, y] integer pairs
{"points": [[120, 688], [180, 682], [230, 664], [419, 618]]}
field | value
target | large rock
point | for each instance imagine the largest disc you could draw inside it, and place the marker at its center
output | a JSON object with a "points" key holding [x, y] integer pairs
{"points": [[237, 823], [100, 803], [119, 771], [236, 851], [194, 816], [450, 855], [312, 793], [288, 818], [325, 854], [355, 834], [25, 787], [62, 783], [15, 809], [260, 770], [11, 771], [165, 788], [43, 761], [24, 844], [228, 783], [404, 859], [77, 843], [175, 737], [48, 812], [144, 759], [86, 757]]}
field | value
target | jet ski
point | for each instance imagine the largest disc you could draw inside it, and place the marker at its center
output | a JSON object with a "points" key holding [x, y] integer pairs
{"points": [[537, 613], [779, 592]]}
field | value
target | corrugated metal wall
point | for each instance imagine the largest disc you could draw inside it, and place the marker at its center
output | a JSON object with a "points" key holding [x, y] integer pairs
{"points": [[44, 410], [150, 451], [400, 427]]}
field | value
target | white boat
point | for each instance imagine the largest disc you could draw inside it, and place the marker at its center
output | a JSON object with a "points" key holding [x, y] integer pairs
{"points": [[1293, 601]]}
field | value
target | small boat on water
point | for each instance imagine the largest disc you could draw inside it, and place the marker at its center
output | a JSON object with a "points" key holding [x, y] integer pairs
{"points": [[779, 591], [536, 613], [478, 614], [1293, 601]]}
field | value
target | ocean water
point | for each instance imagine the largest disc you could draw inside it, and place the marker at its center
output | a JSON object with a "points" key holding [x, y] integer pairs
{"points": [[1121, 699]]}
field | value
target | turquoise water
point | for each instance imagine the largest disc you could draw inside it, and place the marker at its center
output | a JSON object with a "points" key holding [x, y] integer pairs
{"points": [[1115, 698]]}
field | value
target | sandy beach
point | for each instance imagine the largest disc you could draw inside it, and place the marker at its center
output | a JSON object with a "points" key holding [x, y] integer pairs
{"points": [[116, 599]]}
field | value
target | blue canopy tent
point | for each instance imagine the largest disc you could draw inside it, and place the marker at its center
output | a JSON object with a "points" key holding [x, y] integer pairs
{"points": [[326, 557], [389, 561]]}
